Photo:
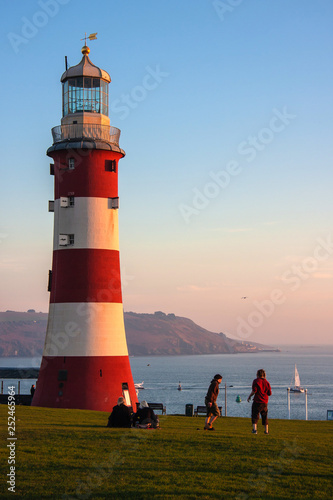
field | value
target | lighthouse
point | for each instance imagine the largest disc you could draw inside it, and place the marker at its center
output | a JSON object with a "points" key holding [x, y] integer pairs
{"points": [[85, 361]]}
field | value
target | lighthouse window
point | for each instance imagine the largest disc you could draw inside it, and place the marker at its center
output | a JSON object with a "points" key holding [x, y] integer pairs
{"points": [[85, 94], [104, 98], [71, 201], [65, 109], [62, 375], [64, 201], [110, 165], [66, 239], [126, 393], [71, 163], [49, 285], [113, 203]]}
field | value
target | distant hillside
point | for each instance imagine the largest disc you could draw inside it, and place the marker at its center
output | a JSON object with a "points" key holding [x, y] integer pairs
{"points": [[23, 334]]}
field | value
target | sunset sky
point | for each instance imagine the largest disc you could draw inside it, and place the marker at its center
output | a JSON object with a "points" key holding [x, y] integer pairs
{"points": [[226, 114]]}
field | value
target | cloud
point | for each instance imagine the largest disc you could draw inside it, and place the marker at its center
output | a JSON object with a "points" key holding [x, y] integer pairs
{"points": [[194, 288], [294, 258], [245, 229], [323, 276], [3, 236], [8, 264], [271, 223], [233, 229], [11, 264]]}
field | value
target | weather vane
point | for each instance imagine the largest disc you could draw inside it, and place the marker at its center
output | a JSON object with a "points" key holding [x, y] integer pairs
{"points": [[92, 36]]}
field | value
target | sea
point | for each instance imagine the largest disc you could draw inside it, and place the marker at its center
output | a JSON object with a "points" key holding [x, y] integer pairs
{"points": [[161, 376]]}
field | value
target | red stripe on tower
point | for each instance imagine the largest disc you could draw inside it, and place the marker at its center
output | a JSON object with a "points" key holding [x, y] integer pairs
{"points": [[85, 360], [86, 275]]}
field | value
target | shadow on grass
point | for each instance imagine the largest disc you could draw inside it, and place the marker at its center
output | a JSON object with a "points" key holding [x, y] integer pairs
{"points": [[80, 426]]}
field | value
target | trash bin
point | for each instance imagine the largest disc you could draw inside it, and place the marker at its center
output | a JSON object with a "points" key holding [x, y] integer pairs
{"points": [[189, 410]]}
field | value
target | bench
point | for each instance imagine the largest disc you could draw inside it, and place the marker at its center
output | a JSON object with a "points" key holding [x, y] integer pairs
{"points": [[158, 406], [203, 409], [20, 399]]}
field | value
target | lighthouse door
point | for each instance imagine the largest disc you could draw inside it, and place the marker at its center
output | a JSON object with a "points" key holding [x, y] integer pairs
{"points": [[126, 394]]}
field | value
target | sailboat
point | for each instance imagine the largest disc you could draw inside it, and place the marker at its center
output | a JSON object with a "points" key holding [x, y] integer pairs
{"points": [[297, 383]]}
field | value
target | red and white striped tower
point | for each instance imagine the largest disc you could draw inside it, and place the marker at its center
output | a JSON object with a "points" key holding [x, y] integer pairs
{"points": [[85, 361]]}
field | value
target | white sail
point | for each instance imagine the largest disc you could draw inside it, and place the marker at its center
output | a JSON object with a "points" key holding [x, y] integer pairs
{"points": [[297, 379], [297, 383]]}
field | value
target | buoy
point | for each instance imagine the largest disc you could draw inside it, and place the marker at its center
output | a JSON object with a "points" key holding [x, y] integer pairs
{"points": [[238, 399]]}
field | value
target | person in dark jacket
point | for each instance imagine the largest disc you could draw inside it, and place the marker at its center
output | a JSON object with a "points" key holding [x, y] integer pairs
{"points": [[120, 415], [261, 390], [145, 416], [210, 401]]}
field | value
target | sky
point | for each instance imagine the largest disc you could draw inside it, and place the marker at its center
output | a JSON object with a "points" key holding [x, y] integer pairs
{"points": [[225, 111]]}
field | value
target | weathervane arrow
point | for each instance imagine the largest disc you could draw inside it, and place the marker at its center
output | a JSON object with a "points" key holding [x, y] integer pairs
{"points": [[92, 36]]}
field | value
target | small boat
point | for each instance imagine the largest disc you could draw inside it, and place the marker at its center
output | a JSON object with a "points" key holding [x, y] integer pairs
{"points": [[179, 388], [297, 383], [139, 385]]}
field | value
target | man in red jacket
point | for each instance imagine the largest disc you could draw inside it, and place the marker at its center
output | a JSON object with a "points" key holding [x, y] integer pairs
{"points": [[261, 390]]}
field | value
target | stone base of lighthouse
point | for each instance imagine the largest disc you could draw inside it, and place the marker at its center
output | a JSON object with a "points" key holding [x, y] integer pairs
{"points": [[93, 383]]}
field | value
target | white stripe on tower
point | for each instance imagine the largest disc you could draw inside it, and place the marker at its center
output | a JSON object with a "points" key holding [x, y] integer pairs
{"points": [[84, 329], [92, 222]]}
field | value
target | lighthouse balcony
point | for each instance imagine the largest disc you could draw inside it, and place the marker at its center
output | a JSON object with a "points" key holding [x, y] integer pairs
{"points": [[90, 131]]}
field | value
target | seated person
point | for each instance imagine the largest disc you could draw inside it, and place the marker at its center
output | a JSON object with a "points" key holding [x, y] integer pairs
{"points": [[120, 415], [145, 416]]}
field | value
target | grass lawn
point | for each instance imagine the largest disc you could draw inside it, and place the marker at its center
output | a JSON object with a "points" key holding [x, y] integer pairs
{"points": [[69, 454]]}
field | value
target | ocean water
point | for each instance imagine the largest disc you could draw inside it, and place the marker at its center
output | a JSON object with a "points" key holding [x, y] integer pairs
{"points": [[161, 376]]}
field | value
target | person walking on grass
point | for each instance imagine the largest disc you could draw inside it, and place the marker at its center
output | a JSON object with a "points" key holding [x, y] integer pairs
{"points": [[210, 401], [261, 390]]}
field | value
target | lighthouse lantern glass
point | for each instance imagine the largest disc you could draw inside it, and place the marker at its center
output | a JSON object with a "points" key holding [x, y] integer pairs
{"points": [[85, 94]]}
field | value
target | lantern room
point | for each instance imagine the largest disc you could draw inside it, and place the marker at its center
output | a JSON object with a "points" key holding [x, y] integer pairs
{"points": [[85, 93]]}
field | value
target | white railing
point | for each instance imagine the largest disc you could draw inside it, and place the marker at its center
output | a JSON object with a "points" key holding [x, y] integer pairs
{"points": [[86, 131]]}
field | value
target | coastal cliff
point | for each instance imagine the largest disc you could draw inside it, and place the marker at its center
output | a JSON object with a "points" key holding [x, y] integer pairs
{"points": [[23, 333]]}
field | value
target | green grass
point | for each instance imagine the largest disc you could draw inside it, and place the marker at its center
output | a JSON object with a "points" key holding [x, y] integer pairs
{"points": [[71, 454]]}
